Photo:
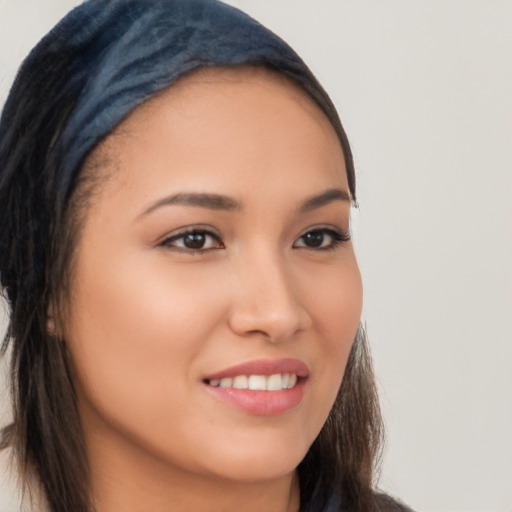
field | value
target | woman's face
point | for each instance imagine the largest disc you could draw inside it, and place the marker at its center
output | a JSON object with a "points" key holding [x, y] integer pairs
{"points": [[215, 257]]}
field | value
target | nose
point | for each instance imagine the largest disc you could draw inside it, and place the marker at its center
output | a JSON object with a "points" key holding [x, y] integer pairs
{"points": [[266, 300]]}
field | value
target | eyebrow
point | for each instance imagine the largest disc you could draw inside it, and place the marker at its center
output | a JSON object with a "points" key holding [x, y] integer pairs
{"points": [[210, 201], [226, 203], [317, 201]]}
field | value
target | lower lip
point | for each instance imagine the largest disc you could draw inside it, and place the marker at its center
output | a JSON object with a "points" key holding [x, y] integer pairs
{"points": [[261, 403]]}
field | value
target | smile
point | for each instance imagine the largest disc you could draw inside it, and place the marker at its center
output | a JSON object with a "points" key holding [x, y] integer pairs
{"points": [[275, 382], [260, 387]]}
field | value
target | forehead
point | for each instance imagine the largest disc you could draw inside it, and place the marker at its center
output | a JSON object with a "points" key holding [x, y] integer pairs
{"points": [[250, 117], [241, 84], [249, 77]]}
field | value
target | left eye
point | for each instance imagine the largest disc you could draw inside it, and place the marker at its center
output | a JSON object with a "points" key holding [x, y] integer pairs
{"points": [[322, 239], [195, 240]]}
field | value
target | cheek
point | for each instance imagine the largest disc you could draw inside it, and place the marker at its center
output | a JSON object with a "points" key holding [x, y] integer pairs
{"points": [[135, 332], [334, 297], [335, 303]]}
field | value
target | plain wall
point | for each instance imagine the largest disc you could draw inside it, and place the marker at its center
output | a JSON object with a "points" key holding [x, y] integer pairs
{"points": [[424, 89]]}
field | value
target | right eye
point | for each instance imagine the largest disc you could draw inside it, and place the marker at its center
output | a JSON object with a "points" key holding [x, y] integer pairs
{"points": [[194, 240]]}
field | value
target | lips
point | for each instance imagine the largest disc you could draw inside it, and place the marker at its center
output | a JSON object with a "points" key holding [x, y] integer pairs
{"points": [[261, 387]]}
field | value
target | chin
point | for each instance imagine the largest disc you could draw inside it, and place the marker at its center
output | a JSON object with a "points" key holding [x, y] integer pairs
{"points": [[258, 460], [259, 470]]}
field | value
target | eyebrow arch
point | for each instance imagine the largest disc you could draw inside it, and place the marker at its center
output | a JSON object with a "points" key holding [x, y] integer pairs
{"points": [[221, 202], [333, 194], [211, 201]]}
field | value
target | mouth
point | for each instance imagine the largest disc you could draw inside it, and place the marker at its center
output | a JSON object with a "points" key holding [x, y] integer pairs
{"points": [[262, 387]]}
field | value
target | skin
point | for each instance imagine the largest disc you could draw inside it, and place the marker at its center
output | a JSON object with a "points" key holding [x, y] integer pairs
{"points": [[149, 319]]}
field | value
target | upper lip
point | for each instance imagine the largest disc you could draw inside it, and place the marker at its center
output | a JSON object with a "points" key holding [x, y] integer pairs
{"points": [[263, 367]]}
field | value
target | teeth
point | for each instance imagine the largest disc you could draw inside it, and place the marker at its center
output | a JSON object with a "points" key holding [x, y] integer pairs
{"points": [[240, 382], [276, 382], [226, 382], [257, 382]]}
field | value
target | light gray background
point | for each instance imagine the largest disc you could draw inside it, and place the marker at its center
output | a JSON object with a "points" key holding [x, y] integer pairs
{"points": [[424, 90]]}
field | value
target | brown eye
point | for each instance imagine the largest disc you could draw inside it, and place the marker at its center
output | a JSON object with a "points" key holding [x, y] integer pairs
{"points": [[321, 239], [195, 240], [313, 238]]}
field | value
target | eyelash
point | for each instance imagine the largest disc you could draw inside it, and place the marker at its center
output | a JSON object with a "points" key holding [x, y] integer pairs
{"points": [[189, 232], [337, 238]]}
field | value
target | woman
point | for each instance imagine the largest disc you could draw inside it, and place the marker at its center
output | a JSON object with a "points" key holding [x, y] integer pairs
{"points": [[185, 299]]}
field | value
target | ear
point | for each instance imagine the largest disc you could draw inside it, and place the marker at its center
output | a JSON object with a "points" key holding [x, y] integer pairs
{"points": [[51, 323], [51, 326]]}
